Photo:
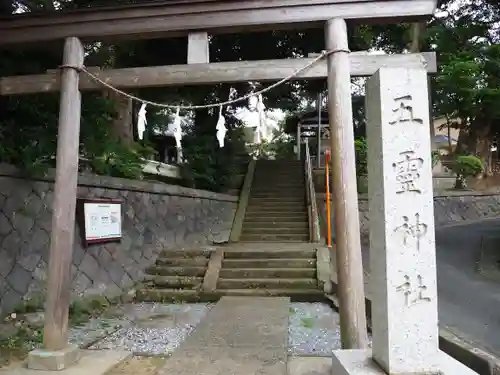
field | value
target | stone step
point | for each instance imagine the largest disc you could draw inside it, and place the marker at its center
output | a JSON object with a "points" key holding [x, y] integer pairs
{"points": [[275, 211], [174, 281], [274, 237], [284, 186], [251, 230], [182, 262], [271, 188], [269, 254], [266, 209], [291, 199], [269, 263], [276, 224], [172, 295], [263, 273], [284, 167], [281, 161], [297, 204], [176, 271], [296, 295], [278, 201], [277, 186], [187, 253], [280, 170], [297, 173], [279, 177], [191, 295], [247, 283], [277, 194], [282, 217]]}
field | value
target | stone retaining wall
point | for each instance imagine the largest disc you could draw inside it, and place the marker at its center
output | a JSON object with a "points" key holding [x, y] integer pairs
{"points": [[449, 208], [155, 216]]}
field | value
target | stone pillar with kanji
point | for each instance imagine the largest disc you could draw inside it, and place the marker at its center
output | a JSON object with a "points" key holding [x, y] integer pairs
{"points": [[404, 307], [402, 241]]}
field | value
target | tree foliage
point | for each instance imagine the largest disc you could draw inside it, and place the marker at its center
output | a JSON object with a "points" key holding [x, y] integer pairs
{"points": [[467, 88], [464, 33]]}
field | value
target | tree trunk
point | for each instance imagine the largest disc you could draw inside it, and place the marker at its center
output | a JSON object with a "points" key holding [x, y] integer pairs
{"points": [[463, 142], [450, 143], [122, 124], [416, 37], [483, 151]]}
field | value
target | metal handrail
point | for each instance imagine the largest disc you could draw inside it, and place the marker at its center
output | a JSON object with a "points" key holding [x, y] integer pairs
{"points": [[312, 206], [328, 198]]}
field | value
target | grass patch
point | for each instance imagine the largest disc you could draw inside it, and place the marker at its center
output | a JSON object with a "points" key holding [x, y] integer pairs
{"points": [[18, 336], [80, 311], [16, 346], [30, 305], [307, 322]]}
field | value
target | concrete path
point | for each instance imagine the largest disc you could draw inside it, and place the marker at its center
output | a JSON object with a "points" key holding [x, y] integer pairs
{"points": [[469, 304], [240, 335]]}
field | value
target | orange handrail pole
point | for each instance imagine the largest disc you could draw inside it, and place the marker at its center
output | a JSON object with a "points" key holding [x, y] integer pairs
{"points": [[328, 217]]}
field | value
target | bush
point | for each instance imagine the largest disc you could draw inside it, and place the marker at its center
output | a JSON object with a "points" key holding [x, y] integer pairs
{"points": [[28, 137], [209, 167], [281, 147], [435, 157], [361, 157], [466, 166]]}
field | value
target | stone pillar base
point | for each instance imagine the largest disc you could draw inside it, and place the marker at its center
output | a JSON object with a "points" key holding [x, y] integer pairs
{"points": [[92, 362], [53, 360], [360, 362]]}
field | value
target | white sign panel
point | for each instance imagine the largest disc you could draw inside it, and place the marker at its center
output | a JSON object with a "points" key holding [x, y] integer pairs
{"points": [[102, 221]]}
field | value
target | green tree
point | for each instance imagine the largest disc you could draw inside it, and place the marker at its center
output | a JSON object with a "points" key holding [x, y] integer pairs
{"points": [[467, 89]]}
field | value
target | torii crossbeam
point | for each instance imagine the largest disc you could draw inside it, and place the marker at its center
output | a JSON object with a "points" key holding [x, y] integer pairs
{"points": [[180, 17]]}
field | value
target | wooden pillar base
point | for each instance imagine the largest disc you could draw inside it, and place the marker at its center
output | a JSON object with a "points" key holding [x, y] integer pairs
{"points": [[53, 360]]}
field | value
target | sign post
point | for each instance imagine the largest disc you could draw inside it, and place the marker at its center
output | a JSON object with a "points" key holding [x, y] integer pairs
{"points": [[101, 220]]}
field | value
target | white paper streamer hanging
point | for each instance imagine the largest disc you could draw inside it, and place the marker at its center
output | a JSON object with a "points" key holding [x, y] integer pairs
{"points": [[221, 128], [261, 109], [141, 121], [178, 134], [253, 107]]}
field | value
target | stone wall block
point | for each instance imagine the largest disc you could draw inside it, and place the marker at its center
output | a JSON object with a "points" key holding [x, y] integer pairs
{"points": [[5, 225], [155, 216]]}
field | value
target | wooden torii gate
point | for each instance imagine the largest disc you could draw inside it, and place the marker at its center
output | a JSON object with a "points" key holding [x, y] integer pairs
{"points": [[196, 19]]}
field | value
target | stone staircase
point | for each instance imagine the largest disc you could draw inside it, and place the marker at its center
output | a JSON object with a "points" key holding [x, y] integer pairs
{"points": [[265, 269], [176, 275], [244, 269], [277, 209], [273, 257]]}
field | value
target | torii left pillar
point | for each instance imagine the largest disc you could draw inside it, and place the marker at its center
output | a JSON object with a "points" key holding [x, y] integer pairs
{"points": [[56, 353]]}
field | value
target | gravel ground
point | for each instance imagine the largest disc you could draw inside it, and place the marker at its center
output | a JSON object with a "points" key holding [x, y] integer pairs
{"points": [[95, 329], [157, 329], [313, 329], [153, 329]]}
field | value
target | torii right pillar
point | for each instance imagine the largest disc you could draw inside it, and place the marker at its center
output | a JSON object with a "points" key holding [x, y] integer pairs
{"points": [[402, 239], [349, 263]]}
